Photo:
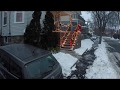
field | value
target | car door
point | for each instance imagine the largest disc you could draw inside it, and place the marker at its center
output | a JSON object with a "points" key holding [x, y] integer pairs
{"points": [[16, 70], [2, 75], [5, 66]]}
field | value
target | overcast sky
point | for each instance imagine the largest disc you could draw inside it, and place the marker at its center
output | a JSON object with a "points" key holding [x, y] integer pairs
{"points": [[86, 15]]}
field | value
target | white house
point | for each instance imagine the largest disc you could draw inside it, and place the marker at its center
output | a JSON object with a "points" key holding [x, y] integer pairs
{"points": [[13, 24]]}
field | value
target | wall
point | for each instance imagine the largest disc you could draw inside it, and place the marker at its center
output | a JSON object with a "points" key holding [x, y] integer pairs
{"points": [[65, 18], [19, 28], [17, 39]]}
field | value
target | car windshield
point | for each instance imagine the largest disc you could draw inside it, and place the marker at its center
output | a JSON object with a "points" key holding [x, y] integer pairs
{"points": [[41, 67]]}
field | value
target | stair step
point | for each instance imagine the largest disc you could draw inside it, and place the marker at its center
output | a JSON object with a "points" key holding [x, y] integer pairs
{"points": [[67, 41], [69, 37], [66, 44], [67, 48]]}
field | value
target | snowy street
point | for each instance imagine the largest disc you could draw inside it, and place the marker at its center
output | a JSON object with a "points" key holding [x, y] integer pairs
{"points": [[102, 67], [113, 50]]}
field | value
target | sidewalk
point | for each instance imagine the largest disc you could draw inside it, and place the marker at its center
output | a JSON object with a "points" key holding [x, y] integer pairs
{"points": [[68, 58], [102, 67]]}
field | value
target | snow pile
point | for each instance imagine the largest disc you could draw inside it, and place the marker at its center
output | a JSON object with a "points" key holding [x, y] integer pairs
{"points": [[66, 61], [101, 68], [111, 38], [86, 43], [114, 39]]}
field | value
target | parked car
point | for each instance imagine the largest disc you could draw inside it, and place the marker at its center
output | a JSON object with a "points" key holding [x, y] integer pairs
{"points": [[116, 36], [22, 61]]}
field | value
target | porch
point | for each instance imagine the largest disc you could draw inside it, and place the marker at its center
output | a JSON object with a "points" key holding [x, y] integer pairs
{"points": [[65, 32]]}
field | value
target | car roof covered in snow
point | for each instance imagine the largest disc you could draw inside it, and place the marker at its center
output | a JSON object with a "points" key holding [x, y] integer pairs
{"points": [[24, 53]]}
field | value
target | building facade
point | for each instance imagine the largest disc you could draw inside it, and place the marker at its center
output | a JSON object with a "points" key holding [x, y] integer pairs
{"points": [[13, 24]]}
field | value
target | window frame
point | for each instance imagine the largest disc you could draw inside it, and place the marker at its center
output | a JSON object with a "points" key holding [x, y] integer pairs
{"points": [[15, 16]]}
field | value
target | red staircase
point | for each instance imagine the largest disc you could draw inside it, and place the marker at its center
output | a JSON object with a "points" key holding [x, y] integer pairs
{"points": [[66, 43]]}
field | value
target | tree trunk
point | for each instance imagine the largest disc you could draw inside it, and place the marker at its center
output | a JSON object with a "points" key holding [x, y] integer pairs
{"points": [[100, 38], [111, 33]]}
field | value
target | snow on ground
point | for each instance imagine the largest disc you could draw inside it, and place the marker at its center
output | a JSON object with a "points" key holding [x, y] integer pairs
{"points": [[66, 61], [86, 43], [114, 39], [111, 38], [102, 67]]}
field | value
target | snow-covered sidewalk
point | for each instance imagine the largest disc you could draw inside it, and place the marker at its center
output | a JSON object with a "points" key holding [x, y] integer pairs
{"points": [[86, 43], [66, 60], [111, 38], [102, 67]]}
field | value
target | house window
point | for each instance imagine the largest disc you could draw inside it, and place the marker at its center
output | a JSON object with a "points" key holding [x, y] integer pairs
{"points": [[5, 18], [19, 17], [74, 16]]}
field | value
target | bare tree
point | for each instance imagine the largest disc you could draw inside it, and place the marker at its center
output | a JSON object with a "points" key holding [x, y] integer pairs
{"points": [[100, 19], [114, 22]]}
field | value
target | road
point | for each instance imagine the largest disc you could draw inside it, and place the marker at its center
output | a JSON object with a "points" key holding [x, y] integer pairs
{"points": [[113, 50]]}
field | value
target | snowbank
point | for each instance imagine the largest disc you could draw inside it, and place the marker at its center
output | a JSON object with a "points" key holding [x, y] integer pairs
{"points": [[102, 67], [111, 38], [86, 43], [66, 61], [114, 39]]}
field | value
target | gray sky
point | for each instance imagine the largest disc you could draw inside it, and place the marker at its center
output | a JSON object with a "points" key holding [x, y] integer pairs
{"points": [[86, 15]]}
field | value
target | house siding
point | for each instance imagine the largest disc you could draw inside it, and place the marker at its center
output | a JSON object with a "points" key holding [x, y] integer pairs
{"points": [[65, 18], [15, 31], [5, 29], [0, 24], [17, 28]]}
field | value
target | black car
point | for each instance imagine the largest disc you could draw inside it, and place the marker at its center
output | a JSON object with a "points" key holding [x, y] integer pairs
{"points": [[22, 61]]}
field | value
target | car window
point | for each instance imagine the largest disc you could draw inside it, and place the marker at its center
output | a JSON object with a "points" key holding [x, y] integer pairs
{"points": [[15, 69], [41, 67], [5, 61], [12, 67]]}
